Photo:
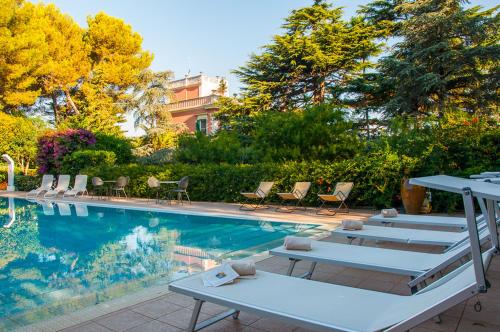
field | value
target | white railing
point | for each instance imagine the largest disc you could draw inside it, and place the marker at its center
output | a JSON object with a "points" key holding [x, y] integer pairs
{"points": [[195, 80], [192, 103]]}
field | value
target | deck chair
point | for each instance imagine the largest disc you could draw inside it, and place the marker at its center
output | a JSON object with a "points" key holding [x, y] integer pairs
{"points": [[64, 209], [418, 266], [47, 181], [259, 194], [322, 306], [80, 187], [297, 195], [62, 186], [409, 219], [339, 195], [407, 235]]}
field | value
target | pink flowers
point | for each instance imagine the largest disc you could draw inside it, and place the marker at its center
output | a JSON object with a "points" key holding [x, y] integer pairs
{"points": [[54, 146]]}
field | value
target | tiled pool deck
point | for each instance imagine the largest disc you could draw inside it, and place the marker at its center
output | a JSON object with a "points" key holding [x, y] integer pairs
{"points": [[159, 310]]}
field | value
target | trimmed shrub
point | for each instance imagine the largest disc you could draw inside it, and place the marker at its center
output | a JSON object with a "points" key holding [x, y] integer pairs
{"points": [[27, 183], [78, 160], [120, 146], [377, 178]]}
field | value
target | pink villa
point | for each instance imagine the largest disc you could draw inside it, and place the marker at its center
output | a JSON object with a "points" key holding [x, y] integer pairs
{"points": [[194, 102]]}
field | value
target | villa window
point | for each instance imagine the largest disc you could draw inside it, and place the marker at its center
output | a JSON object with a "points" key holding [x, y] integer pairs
{"points": [[201, 124]]}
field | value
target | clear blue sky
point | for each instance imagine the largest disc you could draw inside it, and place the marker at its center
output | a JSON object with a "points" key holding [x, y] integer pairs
{"points": [[199, 35]]}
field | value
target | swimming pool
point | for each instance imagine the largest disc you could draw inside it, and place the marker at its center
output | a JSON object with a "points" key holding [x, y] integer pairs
{"points": [[59, 257]]}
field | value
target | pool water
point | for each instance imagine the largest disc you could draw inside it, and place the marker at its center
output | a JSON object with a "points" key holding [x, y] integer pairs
{"points": [[58, 257]]}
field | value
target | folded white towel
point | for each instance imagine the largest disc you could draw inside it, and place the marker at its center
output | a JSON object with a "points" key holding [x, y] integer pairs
{"points": [[297, 243], [244, 267], [352, 225], [389, 213]]}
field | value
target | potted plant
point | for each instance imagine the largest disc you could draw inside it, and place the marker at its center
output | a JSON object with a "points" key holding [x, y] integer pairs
{"points": [[413, 196]]}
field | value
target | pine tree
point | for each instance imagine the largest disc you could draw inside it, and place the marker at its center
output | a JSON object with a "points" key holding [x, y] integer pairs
{"points": [[447, 57], [318, 50]]}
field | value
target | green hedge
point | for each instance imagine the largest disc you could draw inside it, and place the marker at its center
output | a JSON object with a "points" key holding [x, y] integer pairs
{"points": [[377, 178], [73, 163]]}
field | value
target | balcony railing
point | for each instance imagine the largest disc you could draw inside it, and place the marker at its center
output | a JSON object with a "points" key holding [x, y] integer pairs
{"points": [[194, 80], [192, 103]]}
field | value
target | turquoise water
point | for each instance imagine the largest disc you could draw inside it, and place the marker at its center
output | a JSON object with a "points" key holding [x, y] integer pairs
{"points": [[57, 258]]}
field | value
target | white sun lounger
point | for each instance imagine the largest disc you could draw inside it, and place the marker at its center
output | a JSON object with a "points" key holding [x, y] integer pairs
{"points": [[80, 187], [406, 235], [328, 307], [47, 181], [403, 235], [62, 186], [417, 265], [410, 219]]}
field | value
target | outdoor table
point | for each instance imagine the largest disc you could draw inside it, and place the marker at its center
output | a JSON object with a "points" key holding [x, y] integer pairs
{"points": [[109, 183], [171, 182]]}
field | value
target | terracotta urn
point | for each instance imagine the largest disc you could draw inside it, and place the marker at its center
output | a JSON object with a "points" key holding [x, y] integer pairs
{"points": [[413, 196]]}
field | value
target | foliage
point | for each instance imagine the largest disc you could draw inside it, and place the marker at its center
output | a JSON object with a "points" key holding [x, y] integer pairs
{"points": [[81, 77], [22, 52], [80, 159], [55, 145], [159, 157], [27, 182], [19, 135], [225, 147], [317, 50], [317, 133], [119, 145], [447, 57], [151, 95]]}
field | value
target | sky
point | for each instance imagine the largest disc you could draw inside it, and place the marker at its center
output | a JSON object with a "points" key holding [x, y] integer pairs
{"points": [[193, 36]]}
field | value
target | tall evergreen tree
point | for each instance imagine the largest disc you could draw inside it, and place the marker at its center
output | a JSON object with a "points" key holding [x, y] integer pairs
{"points": [[448, 56], [317, 50]]}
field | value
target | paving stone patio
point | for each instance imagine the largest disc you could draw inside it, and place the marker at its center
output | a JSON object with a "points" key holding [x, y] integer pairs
{"points": [[171, 312]]}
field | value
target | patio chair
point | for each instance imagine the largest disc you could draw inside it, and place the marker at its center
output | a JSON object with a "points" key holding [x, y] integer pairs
{"points": [[259, 194], [297, 195], [181, 190], [321, 306], [120, 185], [98, 187], [418, 266], [80, 187], [62, 187], [339, 195], [47, 182], [155, 185]]}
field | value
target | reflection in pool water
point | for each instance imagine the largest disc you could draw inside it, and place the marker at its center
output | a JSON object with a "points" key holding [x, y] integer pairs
{"points": [[59, 257]]}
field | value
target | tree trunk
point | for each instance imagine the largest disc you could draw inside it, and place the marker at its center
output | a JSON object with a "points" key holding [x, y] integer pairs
{"points": [[70, 101], [319, 92], [55, 107], [367, 120]]}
